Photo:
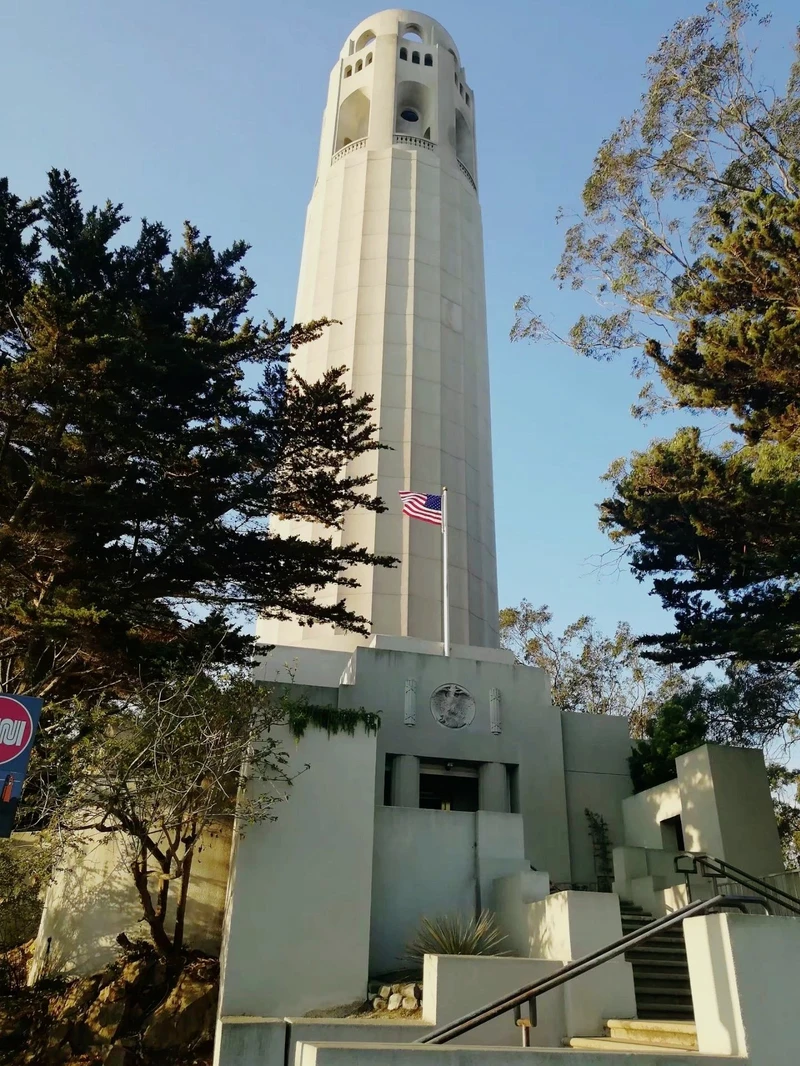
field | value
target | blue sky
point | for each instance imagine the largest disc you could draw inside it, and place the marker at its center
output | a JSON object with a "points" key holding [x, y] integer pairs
{"points": [[211, 111]]}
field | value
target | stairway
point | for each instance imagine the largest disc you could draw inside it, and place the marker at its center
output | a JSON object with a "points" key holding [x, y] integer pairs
{"points": [[641, 1035], [660, 969]]}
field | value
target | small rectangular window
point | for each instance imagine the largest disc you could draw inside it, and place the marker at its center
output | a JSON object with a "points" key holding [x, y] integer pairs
{"points": [[415, 57], [428, 60]]}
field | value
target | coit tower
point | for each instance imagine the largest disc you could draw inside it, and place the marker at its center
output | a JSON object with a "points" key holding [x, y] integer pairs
{"points": [[393, 252]]}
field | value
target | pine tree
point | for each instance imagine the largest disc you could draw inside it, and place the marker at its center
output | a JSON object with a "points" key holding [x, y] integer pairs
{"points": [[148, 429]]}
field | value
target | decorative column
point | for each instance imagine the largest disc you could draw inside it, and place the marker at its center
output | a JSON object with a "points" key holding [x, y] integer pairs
{"points": [[405, 781], [493, 787], [495, 723], [410, 704]]}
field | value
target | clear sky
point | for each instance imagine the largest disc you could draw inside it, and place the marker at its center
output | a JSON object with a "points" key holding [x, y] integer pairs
{"points": [[211, 111]]}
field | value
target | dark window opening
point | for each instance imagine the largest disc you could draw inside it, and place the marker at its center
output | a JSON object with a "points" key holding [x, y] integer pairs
{"points": [[427, 134], [448, 786], [466, 97], [428, 60], [409, 115], [387, 781], [359, 65], [415, 57], [672, 834], [348, 71], [404, 53], [460, 87], [368, 60]]}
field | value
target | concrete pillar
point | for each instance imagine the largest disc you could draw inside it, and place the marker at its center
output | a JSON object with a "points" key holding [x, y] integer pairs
{"points": [[493, 787], [405, 781], [743, 970], [569, 925]]}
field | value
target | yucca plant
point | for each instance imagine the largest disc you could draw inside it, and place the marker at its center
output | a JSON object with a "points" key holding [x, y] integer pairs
{"points": [[455, 934]]}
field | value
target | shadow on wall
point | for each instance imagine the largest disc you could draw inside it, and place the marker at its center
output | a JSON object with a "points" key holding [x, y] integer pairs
{"points": [[92, 899]]}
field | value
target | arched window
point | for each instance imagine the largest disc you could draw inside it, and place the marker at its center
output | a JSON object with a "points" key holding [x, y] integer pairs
{"points": [[368, 60], [412, 32], [428, 60], [404, 53], [348, 71], [367, 37], [360, 66], [415, 57], [460, 87], [455, 77], [466, 97]]}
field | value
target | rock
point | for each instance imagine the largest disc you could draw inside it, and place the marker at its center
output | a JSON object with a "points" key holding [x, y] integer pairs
{"points": [[410, 1003], [187, 1015], [395, 1000], [74, 1002], [379, 1003], [410, 990], [135, 970], [385, 991], [106, 1014], [57, 1032], [396, 988], [119, 1055]]}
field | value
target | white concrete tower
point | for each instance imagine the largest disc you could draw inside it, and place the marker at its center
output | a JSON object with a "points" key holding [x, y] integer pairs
{"points": [[393, 251]]}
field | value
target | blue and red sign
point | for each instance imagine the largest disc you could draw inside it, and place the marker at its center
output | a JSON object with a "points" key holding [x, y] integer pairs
{"points": [[19, 717]]}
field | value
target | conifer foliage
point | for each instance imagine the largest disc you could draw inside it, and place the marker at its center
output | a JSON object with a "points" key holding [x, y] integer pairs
{"points": [[148, 428]]}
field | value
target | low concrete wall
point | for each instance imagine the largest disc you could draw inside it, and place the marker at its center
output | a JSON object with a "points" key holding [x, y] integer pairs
{"points": [[743, 970], [643, 813], [449, 1055], [250, 1042], [456, 984]]}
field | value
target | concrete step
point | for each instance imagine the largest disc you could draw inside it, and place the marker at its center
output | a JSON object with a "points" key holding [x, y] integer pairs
{"points": [[656, 951], [605, 1043], [672, 993], [673, 978], [654, 1032], [661, 964]]}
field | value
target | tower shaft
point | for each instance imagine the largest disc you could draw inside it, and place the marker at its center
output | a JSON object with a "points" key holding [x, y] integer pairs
{"points": [[393, 251]]}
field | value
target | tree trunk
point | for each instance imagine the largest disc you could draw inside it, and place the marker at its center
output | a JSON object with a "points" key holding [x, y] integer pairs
{"points": [[155, 921], [180, 910]]}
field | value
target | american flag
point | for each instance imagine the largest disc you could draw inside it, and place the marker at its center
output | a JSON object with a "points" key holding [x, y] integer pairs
{"points": [[421, 505]]}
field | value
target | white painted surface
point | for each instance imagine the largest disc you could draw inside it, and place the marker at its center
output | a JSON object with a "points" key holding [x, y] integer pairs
{"points": [[727, 808], [452, 1055], [456, 984], [92, 899], [393, 251], [298, 923], [509, 900], [569, 925], [743, 970], [430, 864], [644, 812], [288, 664]]}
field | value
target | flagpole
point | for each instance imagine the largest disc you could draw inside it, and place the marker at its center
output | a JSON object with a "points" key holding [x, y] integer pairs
{"points": [[445, 578]]}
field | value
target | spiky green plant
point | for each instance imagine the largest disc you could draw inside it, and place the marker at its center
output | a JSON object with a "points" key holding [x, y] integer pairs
{"points": [[455, 934]]}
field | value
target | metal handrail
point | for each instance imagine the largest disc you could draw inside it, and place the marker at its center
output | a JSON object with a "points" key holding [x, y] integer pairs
{"points": [[528, 993], [720, 868]]}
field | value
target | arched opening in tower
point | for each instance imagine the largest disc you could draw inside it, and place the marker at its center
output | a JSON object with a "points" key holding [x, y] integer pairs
{"points": [[353, 119], [414, 110]]}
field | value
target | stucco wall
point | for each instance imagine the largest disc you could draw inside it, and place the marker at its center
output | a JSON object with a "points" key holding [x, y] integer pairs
{"points": [[644, 812], [727, 809], [92, 899], [298, 924], [429, 864], [596, 750]]}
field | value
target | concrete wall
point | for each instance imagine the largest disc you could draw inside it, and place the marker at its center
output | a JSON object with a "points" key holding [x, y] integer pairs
{"points": [[726, 807], [530, 736], [596, 750], [298, 924], [92, 900], [429, 864], [643, 813], [743, 970], [454, 985], [333, 1054]]}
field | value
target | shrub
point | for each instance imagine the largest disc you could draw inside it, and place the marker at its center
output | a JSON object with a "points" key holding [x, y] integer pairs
{"points": [[454, 934]]}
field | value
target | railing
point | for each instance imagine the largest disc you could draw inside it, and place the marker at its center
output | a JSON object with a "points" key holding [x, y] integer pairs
{"points": [[415, 142], [719, 870], [529, 993], [467, 174], [353, 146]]}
